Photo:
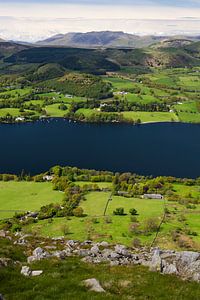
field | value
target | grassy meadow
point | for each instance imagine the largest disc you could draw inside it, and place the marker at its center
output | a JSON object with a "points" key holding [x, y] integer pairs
{"points": [[116, 229], [23, 196]]}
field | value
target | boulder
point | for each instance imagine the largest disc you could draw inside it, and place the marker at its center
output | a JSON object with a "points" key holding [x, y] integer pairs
{"points": [[40, 253], [72, 243], [36, 273], [93, 285], [114, 255], [83, 252], [121, 249], [169, 269], [106, 253], [21, 241], [31, 259], [94, 249], [59, 254], [2, 234], [192, 271], [26, 271], [156, 263], [187, 257], [4, 262], [103, 244], [68, 251]]}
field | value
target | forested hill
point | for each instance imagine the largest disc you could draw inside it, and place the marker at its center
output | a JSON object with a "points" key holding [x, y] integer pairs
{"points": [[99, 61]]}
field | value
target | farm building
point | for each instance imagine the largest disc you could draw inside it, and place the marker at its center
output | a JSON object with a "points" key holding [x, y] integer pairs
{"points": [[152, 196], [48, 177]]}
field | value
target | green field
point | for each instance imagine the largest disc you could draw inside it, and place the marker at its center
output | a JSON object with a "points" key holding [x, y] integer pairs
{"points": [[189, 117], [85, 111], [120, 83], [12, 111], [54, 111], [146, 117], [184, 190], [16, 93], [25, 196], [117, 230]]}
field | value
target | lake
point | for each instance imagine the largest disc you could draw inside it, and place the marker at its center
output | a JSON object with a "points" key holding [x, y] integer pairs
{"points": [[150, 149]]}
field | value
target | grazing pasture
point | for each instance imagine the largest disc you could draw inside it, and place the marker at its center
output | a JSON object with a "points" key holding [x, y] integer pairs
{"points": [[24, 196]]}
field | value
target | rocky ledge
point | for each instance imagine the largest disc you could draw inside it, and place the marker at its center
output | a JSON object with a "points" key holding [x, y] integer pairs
{"points": [[185, 264]]}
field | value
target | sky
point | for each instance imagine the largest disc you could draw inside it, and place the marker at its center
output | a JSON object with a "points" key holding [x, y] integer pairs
{"points": [[37, 19]]}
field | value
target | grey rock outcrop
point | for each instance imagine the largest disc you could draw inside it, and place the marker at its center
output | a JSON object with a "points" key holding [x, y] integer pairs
{"points": [[38, 254], [185, 264]]}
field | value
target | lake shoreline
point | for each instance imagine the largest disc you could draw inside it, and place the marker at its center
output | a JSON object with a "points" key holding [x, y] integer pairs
{"points": [[89, 122]]}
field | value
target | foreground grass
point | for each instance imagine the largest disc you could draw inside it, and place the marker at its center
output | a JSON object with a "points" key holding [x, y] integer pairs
{"points": [[62, 280], [25, 196]]}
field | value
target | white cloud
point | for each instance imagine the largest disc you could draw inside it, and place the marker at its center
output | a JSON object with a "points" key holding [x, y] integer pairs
{"points": [[96, 11], [32, 22], [32, 29]]}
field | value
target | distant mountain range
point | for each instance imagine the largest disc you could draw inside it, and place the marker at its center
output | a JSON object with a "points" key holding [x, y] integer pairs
{"points": [[111, 39]]}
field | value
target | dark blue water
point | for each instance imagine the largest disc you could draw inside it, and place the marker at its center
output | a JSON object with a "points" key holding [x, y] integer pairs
{"points": [[151, 149]]}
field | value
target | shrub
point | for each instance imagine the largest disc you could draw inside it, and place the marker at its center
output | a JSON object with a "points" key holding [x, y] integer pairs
{"points": [[119, 211], [191, 206], [151, 225], [185, 242], [167, 211], [133, 212], [78, 212], [134, 228], [181, 218], [16, 227], [136, 243]]}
